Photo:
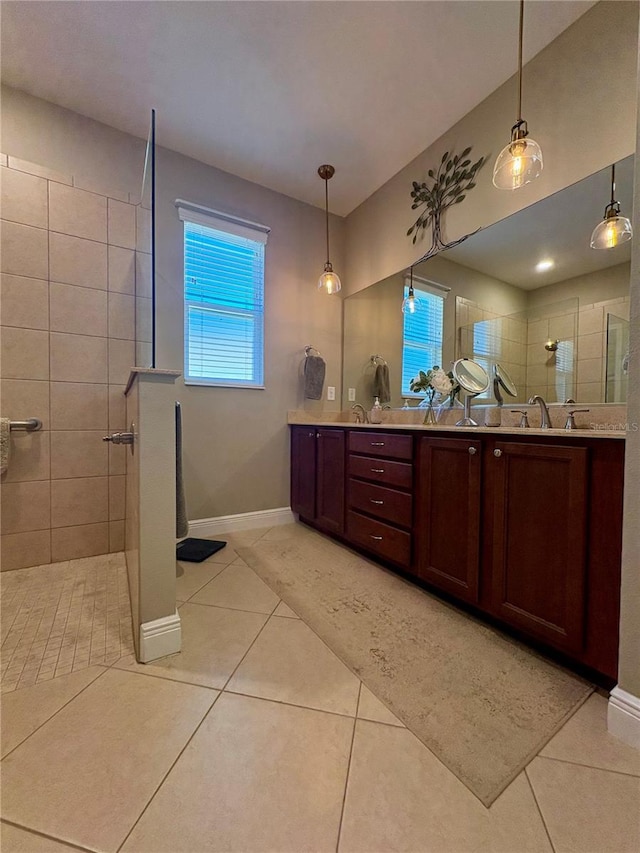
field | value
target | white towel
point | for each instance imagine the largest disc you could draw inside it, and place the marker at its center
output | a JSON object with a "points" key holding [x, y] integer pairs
{"points": [[5, 443]]}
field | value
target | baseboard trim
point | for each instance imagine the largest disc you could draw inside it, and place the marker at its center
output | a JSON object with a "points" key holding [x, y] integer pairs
{"points": [[241, 521], [623, 716], [160, 637]]}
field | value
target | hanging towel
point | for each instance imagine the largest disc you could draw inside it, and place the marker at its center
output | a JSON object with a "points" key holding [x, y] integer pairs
{"points": [[314, 370], [381, 383], [5, 436], [182, 523]]}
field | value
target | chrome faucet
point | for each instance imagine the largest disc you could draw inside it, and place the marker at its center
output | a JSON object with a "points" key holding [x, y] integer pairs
{"points": [[361, 414], [545, 420]]}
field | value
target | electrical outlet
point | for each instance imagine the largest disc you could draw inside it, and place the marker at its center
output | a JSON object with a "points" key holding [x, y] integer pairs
{"points": [[352, 395], [331, 392]]}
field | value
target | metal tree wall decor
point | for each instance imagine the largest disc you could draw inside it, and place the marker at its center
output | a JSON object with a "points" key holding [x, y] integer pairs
{"points": [[450, 184]]}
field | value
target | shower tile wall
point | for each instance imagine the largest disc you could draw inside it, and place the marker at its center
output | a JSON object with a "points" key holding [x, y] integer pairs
{"points": [[68, 314]]}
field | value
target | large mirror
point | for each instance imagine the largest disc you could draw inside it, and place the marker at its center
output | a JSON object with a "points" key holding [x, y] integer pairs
{"points": [[527, 293]]}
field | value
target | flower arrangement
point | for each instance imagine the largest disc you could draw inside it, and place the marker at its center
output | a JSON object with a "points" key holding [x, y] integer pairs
{"points": [[435, 381]]}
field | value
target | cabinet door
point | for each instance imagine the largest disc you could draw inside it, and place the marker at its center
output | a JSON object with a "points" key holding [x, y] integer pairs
{"points": [[303, 471], [448, 523], [330, 480], [539, 540]]}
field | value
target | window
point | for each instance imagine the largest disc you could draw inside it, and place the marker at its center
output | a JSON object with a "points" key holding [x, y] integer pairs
{"points": [[223, 298], [422, 334]]}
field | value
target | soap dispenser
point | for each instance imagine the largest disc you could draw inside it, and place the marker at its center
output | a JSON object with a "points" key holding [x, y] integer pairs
{"points": [[376, 412]]}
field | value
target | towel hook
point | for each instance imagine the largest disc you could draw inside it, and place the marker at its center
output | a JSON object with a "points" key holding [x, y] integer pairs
{"points": [[308, 348], [376, 358]]}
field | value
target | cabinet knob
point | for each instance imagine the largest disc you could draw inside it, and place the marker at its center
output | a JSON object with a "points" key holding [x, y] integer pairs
{"points": [[497, 453], [472, 451], [312, 435], [377, 538]]}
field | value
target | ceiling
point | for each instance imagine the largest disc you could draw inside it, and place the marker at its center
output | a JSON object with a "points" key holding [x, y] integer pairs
{"points": [[557, 228], [270, 90]]}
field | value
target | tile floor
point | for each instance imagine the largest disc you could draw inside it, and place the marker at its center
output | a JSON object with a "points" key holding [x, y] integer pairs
{"points": [[63, 617], [257, 738]]}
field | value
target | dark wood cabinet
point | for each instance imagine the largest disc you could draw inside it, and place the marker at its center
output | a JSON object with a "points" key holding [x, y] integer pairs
{"points": [[539, 540], [526, 530], [317, 476], [303, 471], [448, 517], [330, 480]]}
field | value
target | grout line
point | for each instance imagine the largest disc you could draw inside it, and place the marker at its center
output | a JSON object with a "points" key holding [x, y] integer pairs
{"points": [[535, 799], [346, 778], [164, 778], [39, 834], [55, 713], [303, 707], [589, 766]]}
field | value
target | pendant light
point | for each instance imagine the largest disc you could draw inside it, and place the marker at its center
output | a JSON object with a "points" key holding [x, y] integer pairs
{"points": [[520, 162], [410, 303], [614, 229], [328, 282]]}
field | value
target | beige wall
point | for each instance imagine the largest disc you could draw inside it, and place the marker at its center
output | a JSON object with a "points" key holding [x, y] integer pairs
{"points": [[236, 442], [68, 325], [580, 108]]}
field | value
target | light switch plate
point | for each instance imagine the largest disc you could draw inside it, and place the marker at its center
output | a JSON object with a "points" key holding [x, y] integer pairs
{"points": [[331, 392], [352, 395]]}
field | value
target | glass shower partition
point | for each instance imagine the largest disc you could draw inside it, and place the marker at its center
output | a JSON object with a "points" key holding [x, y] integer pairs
{"points": [[145, 257]]}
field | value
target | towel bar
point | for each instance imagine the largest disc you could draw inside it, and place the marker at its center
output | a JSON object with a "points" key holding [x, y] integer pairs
{"points": [[30, 425]]}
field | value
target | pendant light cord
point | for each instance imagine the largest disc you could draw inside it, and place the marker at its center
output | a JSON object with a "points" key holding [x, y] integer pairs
{"points": [[519, 119], [613, 184], [326, 213]]}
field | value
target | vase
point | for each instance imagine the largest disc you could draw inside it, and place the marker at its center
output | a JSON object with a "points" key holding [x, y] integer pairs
{"points": [[430, 415]]}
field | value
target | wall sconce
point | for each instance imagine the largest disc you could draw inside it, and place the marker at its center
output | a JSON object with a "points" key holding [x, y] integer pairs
{"points": [[329, 282], [614, 228], [520, 162]]}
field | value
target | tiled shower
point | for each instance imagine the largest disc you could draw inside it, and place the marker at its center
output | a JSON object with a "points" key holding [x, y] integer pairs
{"points": [[75, 298]]}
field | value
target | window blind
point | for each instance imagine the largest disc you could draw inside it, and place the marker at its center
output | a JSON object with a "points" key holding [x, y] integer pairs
{"points": [[487, 347], [422, 336], [224, 302]]}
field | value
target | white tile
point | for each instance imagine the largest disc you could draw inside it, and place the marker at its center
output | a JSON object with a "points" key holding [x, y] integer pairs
{"points": [[24, 250], [122, 224], [24, 198]]}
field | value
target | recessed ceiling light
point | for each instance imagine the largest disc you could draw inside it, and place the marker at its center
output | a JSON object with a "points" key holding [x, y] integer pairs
{"points": [[545, 265]]}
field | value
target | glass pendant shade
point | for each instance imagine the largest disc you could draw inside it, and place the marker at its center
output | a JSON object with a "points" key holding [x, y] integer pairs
{"points": [[329, 282], [519, 163], [611, 232], [411, 303]]}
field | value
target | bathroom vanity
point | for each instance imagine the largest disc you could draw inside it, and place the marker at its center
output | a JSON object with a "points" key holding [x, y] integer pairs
{"points": [[523, 526]]}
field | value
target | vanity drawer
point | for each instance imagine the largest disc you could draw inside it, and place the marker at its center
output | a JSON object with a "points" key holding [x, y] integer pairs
{"points": [[384, 503], [399, 474], [381, 444], [379, 538]]}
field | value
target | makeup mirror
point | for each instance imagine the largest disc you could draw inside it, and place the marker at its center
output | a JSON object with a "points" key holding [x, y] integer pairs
{"points": [[502, 382], [473, 379]]}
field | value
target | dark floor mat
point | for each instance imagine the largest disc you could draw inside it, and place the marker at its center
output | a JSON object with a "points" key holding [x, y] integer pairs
{"points": [[197, 550]]}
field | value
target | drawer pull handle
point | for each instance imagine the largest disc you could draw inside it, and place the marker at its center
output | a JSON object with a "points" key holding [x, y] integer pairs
{"points": [[497, 453], [377, 538], [377, 444], [380, 503], [377, 470]]}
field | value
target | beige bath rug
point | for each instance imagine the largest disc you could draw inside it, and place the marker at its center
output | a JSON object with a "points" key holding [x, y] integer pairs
{"points": [[483, 703]]}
